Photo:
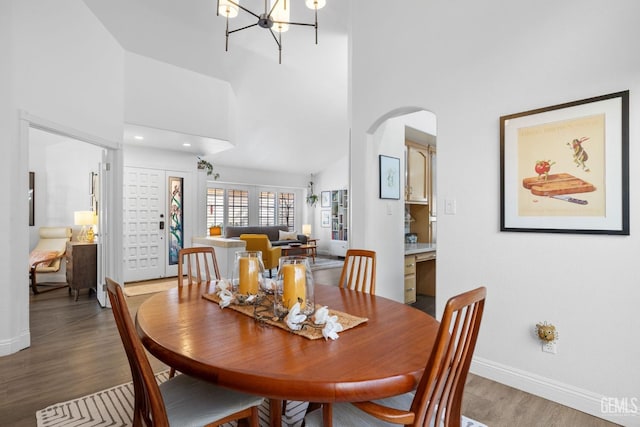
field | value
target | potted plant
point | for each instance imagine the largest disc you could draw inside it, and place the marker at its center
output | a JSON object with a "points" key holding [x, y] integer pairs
{"points": [[205, 165], [312, 198]]}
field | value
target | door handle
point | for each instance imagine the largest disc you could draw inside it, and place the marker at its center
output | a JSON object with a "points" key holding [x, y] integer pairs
{"points": [[161, 225]]}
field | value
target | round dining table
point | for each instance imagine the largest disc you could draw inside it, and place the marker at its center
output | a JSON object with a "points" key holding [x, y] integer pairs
{"points": [[382, 357]]}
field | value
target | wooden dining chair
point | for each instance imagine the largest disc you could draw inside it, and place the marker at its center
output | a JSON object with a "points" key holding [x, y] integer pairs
{"points": [[439, 392], [200, 263], [359, 271], [179, 401]]}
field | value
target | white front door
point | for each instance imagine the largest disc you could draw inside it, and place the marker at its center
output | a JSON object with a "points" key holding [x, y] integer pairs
{"points": [[144, 224], [153, 222]]}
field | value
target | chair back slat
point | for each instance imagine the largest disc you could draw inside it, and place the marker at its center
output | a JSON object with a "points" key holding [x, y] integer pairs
{"points": [[359, 271], [203, 259], [149, 407], [439, 393]]}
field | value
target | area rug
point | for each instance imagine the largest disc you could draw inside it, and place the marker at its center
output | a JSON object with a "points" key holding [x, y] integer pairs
{"points": [[325, 263], [114, 407], [132, 290]]}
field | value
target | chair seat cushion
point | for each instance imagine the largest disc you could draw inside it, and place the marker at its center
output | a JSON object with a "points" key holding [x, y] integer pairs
{"points": [[192, 402], [345, 414]]}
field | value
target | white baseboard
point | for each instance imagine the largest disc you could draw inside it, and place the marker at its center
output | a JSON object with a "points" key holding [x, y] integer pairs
{"points": [[564, 394], [15, 344]]}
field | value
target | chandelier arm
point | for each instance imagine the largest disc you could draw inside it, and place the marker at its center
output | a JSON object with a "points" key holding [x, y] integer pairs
{"points": [[243, 28], [226, 36], [273, 7], [243, 8], [279, 43], [294, 23]]}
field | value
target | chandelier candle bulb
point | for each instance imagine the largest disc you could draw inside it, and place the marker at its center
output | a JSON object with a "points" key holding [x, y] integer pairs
{"points": [[294, 284], [228, 9], [248, 283]]}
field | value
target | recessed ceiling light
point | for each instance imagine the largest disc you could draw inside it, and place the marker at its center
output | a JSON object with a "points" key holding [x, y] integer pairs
{"points": [[186, 144], [138, 137]]}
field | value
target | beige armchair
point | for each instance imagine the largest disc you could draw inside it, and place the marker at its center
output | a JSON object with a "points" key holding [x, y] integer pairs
{"points": [[47, 256], [260, 242]]}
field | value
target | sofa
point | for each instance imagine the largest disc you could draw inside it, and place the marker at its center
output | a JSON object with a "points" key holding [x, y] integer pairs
{"points": [[272, 232]]}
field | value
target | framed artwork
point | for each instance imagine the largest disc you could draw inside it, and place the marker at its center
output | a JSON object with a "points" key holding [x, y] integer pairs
{"points": [[325, 218], [32, 195], [389, 177], [565, 168], [176, 225], [325, 199]]}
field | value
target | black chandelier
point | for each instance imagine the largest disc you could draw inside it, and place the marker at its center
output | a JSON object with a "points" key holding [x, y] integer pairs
{"points": [[274, 19]]}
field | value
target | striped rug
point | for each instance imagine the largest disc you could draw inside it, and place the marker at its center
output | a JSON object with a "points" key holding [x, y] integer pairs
{"points": [[114, 407]]}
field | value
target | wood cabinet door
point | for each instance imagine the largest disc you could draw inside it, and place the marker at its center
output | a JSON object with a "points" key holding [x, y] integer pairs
{"points": [[418, 174]]}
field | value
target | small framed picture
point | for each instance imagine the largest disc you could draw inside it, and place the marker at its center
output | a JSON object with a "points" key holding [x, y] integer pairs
{"points": [[326, 218], [325, 199], [389, 177]]}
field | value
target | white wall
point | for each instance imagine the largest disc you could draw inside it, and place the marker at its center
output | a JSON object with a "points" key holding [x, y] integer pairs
{"points": [[14, 333], [60, 190], [470, 65], [164, 96], [63, 67]]}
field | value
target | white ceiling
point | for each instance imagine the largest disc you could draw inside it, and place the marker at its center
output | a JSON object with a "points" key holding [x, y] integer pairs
{"points": [[291, 116]]}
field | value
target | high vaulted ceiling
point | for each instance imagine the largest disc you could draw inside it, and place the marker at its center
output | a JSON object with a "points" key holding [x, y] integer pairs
{"points": [[291, 116]]}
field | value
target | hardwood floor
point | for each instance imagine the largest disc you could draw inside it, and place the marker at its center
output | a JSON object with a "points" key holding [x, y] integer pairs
{"points": [[76, 350]]}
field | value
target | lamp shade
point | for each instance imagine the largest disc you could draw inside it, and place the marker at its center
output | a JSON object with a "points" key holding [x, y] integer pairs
{"points": [[280, 13], [225, 8], [85, 218], [315, 4], [306, 229]]}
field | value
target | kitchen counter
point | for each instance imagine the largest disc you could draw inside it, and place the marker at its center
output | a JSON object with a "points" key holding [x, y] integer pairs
{"points": [[225, 250], [418, 248]]}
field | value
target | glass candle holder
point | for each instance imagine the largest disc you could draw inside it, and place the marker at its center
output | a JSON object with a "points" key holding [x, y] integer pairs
{"points": [[294, 284], [248, 272]]}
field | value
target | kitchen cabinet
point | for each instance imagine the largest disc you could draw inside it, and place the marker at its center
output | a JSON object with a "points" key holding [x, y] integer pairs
{"points": [[418, 172], [409, 279]]}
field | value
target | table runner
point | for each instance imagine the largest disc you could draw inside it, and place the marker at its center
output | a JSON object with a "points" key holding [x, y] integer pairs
{"points": [[309, 331]]}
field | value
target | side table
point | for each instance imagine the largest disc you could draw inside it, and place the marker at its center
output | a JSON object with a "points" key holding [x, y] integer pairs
{"points": [[82, 266], [313, 243]]}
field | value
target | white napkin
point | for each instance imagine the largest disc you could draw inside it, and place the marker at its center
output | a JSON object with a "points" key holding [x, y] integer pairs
{"points": [[332, 326], [226, 298], [223, 284], [294, 319]]}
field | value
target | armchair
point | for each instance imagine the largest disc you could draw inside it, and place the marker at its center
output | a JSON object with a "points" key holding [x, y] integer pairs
{"points": [[260, 242], [47, 255]]}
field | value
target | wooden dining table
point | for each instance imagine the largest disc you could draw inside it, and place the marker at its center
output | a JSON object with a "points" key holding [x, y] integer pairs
{"points": [[382, 357]]}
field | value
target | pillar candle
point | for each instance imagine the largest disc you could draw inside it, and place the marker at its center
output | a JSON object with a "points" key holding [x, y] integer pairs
{"points": [[248, 276], [294, 286]]}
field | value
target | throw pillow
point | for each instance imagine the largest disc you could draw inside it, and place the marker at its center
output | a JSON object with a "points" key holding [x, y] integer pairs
{"points": [[288, 235]]}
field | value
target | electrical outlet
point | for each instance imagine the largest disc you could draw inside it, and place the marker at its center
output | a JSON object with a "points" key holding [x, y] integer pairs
{"points": [[450, 206], [550, 347]]}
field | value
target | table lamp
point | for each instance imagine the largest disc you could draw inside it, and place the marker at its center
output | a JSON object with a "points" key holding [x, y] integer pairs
{"points": [[306, 230], [85, 219]]}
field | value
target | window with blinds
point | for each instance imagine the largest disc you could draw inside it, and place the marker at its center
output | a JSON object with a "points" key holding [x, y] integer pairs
{"points": [[237, 207], [286, 210], [266, 208], [215, 206]]}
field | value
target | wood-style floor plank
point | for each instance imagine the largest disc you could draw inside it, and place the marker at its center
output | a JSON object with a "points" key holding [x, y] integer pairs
{"points": [[75, 350]]}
